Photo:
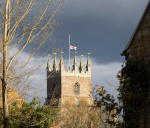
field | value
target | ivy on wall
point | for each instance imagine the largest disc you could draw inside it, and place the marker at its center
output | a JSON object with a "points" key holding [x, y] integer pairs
{"points": [[133, 90]]}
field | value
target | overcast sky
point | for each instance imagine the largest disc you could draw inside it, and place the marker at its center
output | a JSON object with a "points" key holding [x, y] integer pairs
{"points": [[101, 27]]}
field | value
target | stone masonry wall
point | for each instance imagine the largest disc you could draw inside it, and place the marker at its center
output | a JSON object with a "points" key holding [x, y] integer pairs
{"points": [[72, 86], [140, 47], [68, 90]]}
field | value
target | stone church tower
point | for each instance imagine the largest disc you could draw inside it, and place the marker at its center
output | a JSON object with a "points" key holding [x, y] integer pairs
{"points": [[72, 86]]}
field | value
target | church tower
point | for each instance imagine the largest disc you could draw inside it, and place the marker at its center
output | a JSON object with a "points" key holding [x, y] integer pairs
{"points": [[72, 86]]}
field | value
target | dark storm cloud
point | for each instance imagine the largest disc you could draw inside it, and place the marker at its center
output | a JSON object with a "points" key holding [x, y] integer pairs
{"points": [[102, 27]]}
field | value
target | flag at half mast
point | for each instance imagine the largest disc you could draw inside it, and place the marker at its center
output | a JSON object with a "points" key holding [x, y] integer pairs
{"points": [[73, 47]]}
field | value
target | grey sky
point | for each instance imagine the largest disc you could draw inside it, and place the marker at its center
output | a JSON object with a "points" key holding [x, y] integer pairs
{"points": [[102, 27]]}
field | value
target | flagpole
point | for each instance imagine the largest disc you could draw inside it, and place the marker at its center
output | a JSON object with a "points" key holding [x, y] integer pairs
{"points": [[69, 51]]}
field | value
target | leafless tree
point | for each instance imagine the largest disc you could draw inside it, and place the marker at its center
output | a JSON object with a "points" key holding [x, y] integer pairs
{"points": [[25, 24]]}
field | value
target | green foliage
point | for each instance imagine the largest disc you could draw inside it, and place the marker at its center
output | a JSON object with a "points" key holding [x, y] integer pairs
{"points": [[31, 115], [108, 107], [133, 90]]}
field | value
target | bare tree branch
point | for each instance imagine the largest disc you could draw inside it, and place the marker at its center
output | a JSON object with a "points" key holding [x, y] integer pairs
{"points": [[20, 30]]}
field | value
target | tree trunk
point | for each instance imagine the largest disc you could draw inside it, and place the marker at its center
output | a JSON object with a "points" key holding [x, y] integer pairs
{"points": [[5, 57], [5, 104]]}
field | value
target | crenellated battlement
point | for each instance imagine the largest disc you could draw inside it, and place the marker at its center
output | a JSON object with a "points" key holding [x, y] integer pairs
{"points": [[76, 71], [72, 85]]}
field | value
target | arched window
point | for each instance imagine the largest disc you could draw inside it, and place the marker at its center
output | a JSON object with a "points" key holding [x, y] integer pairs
{"points": [[54, 87], [54, 90], [77, 88]]}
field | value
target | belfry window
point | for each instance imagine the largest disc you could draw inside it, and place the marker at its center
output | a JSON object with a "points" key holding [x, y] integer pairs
{"points": [[54, 87], [77, 88]]}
